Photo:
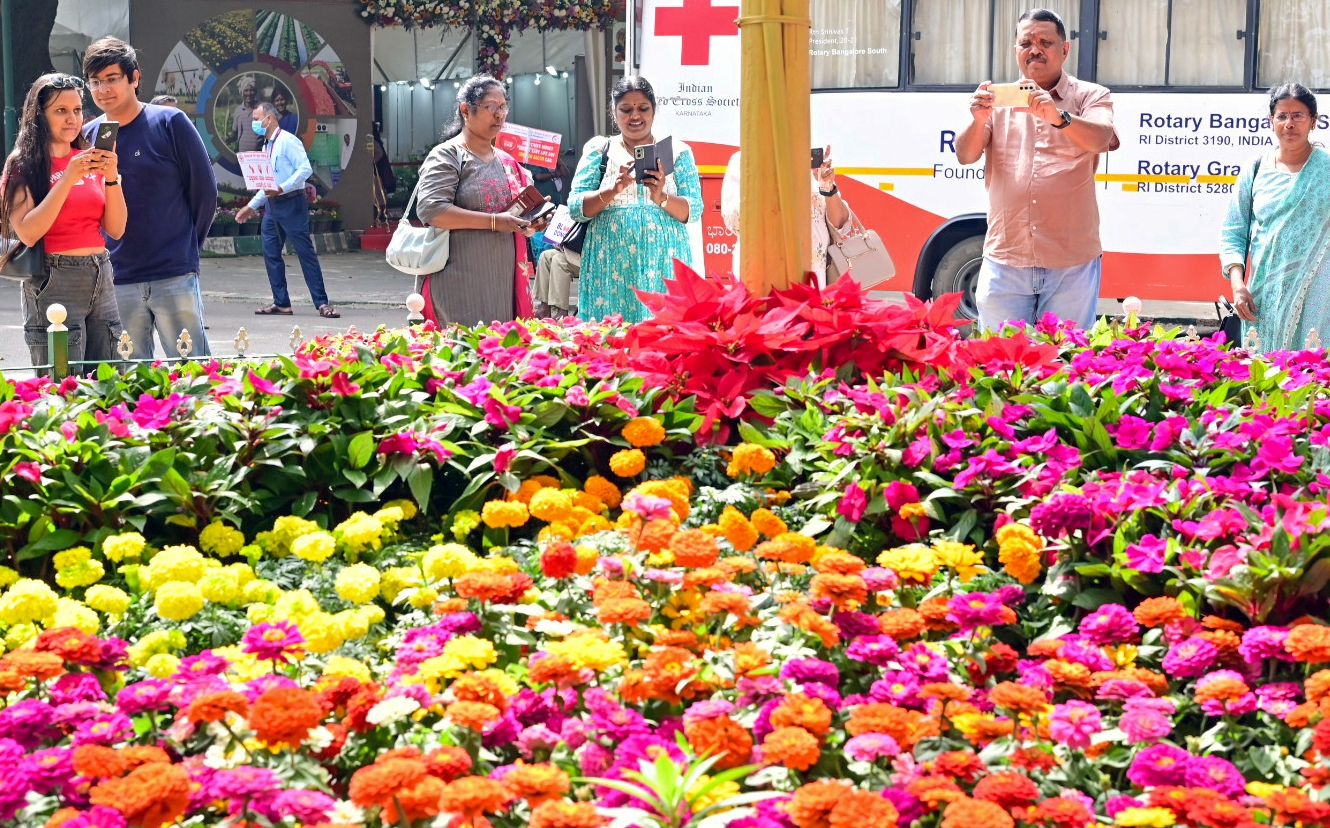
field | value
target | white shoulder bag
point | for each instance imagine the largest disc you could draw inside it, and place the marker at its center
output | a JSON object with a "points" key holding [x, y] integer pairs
{"points": [[417, 250]]}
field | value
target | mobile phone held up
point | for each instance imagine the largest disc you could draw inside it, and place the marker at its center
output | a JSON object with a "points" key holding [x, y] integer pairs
{"points": [[819, 155], [1012, 94], [107, 132], [646, 157]]}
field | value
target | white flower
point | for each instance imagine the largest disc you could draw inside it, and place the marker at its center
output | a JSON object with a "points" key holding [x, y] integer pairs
{"points": [[320, 739], [347, 812], [392, 710]]}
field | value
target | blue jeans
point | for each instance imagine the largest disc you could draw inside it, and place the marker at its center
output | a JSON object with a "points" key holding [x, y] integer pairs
{"points": [[83, 284], [1011, 294], [289, 218], [168, 306]]}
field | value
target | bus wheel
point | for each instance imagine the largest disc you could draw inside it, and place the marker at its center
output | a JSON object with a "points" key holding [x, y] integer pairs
{"points": [[958, 272]]}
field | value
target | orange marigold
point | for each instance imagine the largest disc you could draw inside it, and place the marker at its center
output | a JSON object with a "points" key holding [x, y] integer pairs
{"points": [[737, 529], [788, 547], [976, 813], [151, 796], [537, 783], [628, 463], [845, 591], [603, 489], [766, 522], [375, 785], [792, 747], [479, 687], [498, 514], [1018, 698], [213, 707], [750, 458], [559, 814], [284, 716], [472, 715], [798, 710], [1309, 643], [723, 737], [472, 796], [1156, 612], [641, 432], [694, 548], [901, 624]]}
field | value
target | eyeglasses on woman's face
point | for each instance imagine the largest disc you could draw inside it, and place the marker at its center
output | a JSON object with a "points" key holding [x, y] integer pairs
{"points": [[1295, 117], [494, 109], [109, 80]]}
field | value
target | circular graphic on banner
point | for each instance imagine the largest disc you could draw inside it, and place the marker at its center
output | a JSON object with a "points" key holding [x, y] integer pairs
{"points": [[230, 63]]}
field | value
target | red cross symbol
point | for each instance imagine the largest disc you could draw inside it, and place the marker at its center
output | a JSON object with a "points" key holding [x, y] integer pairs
{"points": [[697, 21]]}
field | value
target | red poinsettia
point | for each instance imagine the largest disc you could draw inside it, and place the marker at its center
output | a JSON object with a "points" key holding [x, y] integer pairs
{"points": [[714, 339]]}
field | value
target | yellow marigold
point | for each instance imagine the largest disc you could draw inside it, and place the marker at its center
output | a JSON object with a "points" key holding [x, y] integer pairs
{"points": [[1145, 818], [750, 458], [162, 665], [737, 529], [587, 558], [407, 507], [641, 432], [961, 558], [284, 532], [340, 666], [178, 600], [397, 578], [315, 547], [125, 545], [174, 563], [551, 505], [602, 488], [628, 463], [914, 562], [8, 577], [360, 532], [28, 600], [81, 574], [766, 522], [358, 583], [321, 631], [446, 561], [221, 586], [260, 591], [498, 514], [1021, 552], [221, 540], [71, 613], [107, 599]]}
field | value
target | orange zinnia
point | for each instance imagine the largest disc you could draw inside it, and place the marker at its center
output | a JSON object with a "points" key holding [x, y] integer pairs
{"points": [[1309, 643], [479, 687], [34, 664], [375, 785], [553, 669], [798, 710], [721, 736], [901, 624], [932, 790], [1019, 698], [694, 548], [538, 783], [976, 813], [1317, 686], [792, 747], [447, 762], [1156, 612], [721, 603], [418, 801], [559, 814], [213, 707], [151, 796], [472, 796], [863, 809], [1008, 789], [284, 716], [483, 586], [845, 591], [472, 715], [806, 618], [811, 805], [629, 611]]}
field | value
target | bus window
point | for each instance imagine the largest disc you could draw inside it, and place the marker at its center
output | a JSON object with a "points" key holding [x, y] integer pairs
{"points": [[1294, 43], [1005, 15], [856, 44], [951, 41], [1171, 42]]}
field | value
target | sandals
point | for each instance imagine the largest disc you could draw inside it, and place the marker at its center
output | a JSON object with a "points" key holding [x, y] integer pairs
{"points": [[329, 312], [273, 310]]}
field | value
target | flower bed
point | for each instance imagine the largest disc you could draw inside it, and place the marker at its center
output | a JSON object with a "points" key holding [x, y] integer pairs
{"points": [[493, 575]]}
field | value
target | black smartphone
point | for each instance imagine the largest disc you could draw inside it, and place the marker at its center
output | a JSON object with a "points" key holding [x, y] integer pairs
{"points": [[819, 155], [647, 157], [539, 212], [107, 131]]}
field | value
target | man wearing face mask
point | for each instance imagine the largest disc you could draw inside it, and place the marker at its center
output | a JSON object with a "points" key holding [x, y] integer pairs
{"points": [[1042, 252], [286, 216]]}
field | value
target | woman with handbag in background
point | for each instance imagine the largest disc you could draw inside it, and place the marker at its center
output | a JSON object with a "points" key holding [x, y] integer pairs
{"points": [[832, 218], [635, 229], [61, 195], [466, 186]]}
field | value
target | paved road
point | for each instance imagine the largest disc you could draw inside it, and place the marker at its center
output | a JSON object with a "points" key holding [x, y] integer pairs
{"points": [[366, 291]]}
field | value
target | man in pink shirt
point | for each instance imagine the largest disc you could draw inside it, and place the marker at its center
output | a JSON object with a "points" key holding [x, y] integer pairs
{"points": [[1042, 252]]}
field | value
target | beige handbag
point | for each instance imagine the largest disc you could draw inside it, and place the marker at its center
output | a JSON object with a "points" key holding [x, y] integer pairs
{"points": [[861, 255]]}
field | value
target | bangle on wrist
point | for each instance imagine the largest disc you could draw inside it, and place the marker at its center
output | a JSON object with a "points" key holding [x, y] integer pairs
{"points": [[600, 195], [1228, 271], [115, 183], [493, 219]]}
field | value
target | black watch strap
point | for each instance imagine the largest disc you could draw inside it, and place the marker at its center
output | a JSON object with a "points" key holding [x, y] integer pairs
{"points": [[835, 188], [1066, 120]]}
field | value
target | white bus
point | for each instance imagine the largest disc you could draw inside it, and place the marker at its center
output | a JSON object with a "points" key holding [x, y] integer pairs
{"points": [[892, 80]]}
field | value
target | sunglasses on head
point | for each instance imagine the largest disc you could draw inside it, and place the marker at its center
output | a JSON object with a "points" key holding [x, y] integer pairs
{"points": [[66, 82]]}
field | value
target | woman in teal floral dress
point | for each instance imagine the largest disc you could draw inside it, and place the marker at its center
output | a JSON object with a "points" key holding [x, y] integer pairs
{"points": [[638, 228]]}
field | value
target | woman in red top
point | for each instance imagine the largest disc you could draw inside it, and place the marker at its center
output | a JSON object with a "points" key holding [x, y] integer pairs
{"points": [[58, 191]]}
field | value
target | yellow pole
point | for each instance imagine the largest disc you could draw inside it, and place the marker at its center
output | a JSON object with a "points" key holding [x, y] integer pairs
{"points": [[775, 220]]}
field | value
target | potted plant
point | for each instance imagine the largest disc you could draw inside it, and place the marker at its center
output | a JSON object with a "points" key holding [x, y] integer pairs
{"points": [[252, 227], [318, 220], [334, 212], [223, 223]]}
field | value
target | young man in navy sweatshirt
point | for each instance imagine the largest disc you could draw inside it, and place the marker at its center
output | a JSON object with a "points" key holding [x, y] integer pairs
{"points": [[171, 193]]}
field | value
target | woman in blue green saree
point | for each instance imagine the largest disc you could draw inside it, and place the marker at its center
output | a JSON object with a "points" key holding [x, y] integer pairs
{"points": [[1280, 219]]}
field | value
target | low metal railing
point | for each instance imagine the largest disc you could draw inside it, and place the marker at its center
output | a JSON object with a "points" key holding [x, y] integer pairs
{"points": [[57, 343]]}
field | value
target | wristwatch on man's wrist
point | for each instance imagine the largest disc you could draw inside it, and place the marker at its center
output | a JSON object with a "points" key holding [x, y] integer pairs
{"points": [[1065, 122]]}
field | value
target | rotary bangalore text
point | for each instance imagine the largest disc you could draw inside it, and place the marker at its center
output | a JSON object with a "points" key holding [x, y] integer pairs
{"points": [[838, 52]]}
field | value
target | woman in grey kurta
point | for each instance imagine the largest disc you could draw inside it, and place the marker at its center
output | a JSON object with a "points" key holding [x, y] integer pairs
{"points": [[465, 185]]}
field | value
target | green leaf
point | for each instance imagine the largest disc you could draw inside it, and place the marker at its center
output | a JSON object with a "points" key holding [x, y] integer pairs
{"points": [[360, 451], [306, 502], [1093, 599], [421, 481], [55, 541]]}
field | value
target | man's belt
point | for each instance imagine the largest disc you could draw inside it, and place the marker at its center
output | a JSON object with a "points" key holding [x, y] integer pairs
{"points": [[288, 196]]}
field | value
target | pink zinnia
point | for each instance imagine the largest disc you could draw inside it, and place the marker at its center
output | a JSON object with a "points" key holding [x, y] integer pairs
{"points": [[1074, 723], [647, 507], [1159, 765], [1146, 719], [1110, 624], [1190, 658], [870, 747], [1216, 774], [975, 609], [273, 641]]}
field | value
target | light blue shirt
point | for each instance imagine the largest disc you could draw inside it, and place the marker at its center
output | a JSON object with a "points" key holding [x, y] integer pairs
{"points": [[290, 164]]}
